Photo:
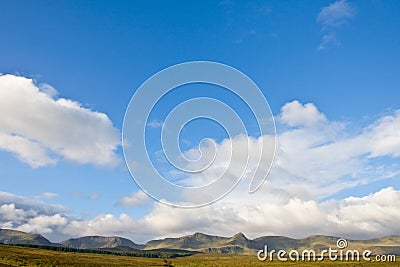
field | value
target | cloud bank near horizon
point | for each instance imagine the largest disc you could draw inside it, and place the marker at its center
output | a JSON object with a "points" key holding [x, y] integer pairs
{"points": [[354, 217]]}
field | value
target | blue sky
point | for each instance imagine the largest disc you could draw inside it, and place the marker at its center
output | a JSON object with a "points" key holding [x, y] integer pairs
{"points": [[343, 57]]}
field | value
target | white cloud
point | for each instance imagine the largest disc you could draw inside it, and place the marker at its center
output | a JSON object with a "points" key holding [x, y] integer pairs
{"points": [[48, 89], [92, 196], [28, 151], [315, 157], [331, 17], [31, 215], [136, 199], [43, 224], [336, 14], [32, 204], [155, 124], [104, 224], [8, 212], [385, 134], [296, 114], [40, 130], [328, 39], [376, 212]]}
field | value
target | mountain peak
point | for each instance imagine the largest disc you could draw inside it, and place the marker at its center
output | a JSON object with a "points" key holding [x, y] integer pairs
{"points": [[198, 234], [240, 236], [239, 239]]}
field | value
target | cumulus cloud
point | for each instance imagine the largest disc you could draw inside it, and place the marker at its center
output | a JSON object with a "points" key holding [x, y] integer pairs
{"points": [[40, 129], [30, 152], [32, 204], [105, 224], [9, 213], [385, 134], [296, 114], [31, 215], [315, 158], [331, 17], [42, 224]]}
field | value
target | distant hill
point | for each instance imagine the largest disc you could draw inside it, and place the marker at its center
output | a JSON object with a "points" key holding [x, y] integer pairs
{"points": [[18, 237], [204, 243], [195, 241], [88, 242]]}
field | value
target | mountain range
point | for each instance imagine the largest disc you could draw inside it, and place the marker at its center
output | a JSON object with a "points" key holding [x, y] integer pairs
{"points": [[203, 243]]}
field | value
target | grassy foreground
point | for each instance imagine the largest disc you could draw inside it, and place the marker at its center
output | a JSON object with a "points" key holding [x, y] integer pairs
{"points": [[22, 256]]}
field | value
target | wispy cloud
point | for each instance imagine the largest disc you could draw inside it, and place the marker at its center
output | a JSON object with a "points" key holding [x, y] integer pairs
{"points": [[92, 196], [48, 89], [136, 199], [328, 39], [336, 14], [331, 17], [155, 124], [47, 195]]}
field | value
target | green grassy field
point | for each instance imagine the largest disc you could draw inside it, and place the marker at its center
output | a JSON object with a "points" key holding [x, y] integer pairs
{"points": [[23, 256]]}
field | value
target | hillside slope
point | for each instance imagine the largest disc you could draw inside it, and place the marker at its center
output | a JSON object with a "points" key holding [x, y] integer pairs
{"points": [[18, 237], [100, 242]]}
